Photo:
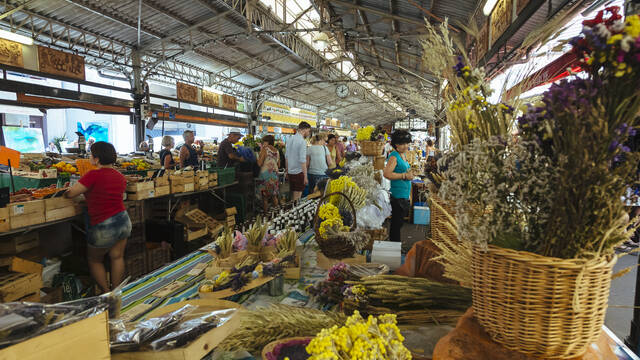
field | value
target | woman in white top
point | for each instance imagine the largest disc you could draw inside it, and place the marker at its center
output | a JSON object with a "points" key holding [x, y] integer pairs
{"points": [[318, 157]]}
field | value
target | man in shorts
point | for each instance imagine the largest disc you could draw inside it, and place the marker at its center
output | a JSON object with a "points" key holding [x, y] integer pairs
{"points": [[296, 159]]}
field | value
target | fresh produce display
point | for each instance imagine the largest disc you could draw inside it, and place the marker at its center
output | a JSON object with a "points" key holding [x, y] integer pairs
{"points": [[136, 164], [64, 167], [375, 338], [42, 192]]}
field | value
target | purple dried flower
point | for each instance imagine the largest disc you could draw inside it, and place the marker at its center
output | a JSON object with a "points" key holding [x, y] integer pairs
{"points": [[613, 146]]}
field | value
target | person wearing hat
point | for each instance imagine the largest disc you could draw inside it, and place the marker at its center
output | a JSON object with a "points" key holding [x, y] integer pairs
{"points": [[227, 154]]}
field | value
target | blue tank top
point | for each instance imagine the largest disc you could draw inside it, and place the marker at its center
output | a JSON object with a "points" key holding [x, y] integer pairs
{"points": [[400, 189], [192, 160]]}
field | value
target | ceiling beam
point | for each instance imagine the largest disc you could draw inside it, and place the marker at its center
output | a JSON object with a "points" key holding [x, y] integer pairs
{"points": [[164, 11], [279, 81], [377, 12], [113, 16]]}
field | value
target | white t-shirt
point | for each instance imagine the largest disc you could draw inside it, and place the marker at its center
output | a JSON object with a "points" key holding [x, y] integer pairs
{"points": [[317, 159]]}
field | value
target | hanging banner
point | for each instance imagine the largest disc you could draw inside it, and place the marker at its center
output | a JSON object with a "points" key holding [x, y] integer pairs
{"points": [[56, 62], [11, 53], [186, 92], [210, 98], [554, 71], [482, 42], [500, 19], [229, 102]]}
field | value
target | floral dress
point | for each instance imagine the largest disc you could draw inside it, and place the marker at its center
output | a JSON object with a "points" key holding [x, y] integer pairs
{"points": [[268, 179]]}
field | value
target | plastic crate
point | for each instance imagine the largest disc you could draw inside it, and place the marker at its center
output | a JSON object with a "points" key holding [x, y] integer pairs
{"points": [[137, 234], [134, 209], [135, 265], [225, 175], [421, 214], [27, 183], [157, 257]]}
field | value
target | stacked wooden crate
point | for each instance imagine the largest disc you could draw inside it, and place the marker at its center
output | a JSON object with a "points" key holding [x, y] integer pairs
{"points": [[162, 186], [213, 179], [60, 208], [231, 217], [20, 279], [201, 180], [182, 182], [140, 190], [26, 213]]}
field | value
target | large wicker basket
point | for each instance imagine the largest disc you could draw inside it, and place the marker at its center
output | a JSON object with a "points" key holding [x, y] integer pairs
{"points": [[439, 218], [334, 247], [371, 148], [546, 307]]}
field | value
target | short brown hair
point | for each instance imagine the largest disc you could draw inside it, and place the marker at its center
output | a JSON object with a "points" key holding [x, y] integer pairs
{"points": [[104, 152], [269, 139], [304, 125]]}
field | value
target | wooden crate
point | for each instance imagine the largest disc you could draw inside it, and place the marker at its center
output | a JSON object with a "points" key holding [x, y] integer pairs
{"points": [[326, 263], [294, 272], [142, 194], [213, 176], [161, 181], [85, 339], [198, 348], [189, 187], [140, 186], [213, 183], [196, 234], [176, 180], [18, 222], [135, 211], [163, 190], [57, 203], [26, 208], [24, 266], [136, 265], [14, 286], [5, 222], [19, 243], [199, 216], [60, 213], [32, 298], [187, 174]]}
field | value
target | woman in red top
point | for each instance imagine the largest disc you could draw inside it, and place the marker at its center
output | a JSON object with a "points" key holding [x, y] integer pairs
{"points": [[110, 225]]}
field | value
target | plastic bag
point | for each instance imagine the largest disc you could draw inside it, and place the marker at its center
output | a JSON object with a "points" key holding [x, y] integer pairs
{"points": [[192, 329], [372, 216], [146, 331]]}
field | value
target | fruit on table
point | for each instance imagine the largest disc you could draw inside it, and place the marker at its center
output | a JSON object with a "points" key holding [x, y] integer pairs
{"points": [[64, 167]]}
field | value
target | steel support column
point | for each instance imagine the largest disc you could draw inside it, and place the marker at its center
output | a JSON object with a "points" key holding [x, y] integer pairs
{"points": [[138, 95]]}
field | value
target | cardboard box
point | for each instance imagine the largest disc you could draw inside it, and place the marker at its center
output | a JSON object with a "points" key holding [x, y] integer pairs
{"points": [[163, 190], [5, 223], [140, 186], [26, 208], [198, 348], [14, 286], [18, 222], [61, 213], [57, 203], [85, 339], [19, 243]]}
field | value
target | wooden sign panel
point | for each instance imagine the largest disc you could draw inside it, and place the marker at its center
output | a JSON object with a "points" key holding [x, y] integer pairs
{"points": [[11, 53], [500, 19], [229, 102], [187, 92], [482, 42], [60, 63], [521, 5], [210, 98]]}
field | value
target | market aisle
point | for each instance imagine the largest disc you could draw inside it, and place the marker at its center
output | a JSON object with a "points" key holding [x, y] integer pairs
{"points": [[622, 294]]}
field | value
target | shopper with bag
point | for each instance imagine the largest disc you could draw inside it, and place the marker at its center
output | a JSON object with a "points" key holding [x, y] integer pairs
{"points": [[398, 172]]}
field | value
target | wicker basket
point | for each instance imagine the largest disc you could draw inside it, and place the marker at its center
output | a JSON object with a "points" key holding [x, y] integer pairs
{"points": [[334, 247], [439, 219], [267, 351], [371, 148], [541, 306]]}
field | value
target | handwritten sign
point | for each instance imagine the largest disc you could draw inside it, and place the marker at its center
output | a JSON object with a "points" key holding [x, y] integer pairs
{"points": [[11, 53], [210, 98], [60, 63], [482, 42], [229, 102], [500, 19], [187, 92], [7, 154]]}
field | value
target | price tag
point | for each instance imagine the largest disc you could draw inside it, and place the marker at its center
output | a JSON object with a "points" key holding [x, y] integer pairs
{"points": [[197, 269], [152, 193], [18, 209]]}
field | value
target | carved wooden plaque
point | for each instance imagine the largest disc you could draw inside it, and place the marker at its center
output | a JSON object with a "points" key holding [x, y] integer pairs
{"points": [[187, 92], [60, 63], [210, 98], [482, 42], [11, 53], [500, 19], [229, 102], [521, 5]]}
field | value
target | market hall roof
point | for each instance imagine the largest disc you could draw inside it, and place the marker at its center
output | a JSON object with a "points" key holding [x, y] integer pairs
{"points": [[244, 48]]}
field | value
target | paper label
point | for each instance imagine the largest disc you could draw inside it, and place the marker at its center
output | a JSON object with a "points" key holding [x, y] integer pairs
{"points": [[18, 209]]}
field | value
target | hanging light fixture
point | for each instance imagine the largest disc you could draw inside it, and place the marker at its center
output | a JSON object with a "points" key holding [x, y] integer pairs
{"points": [[16, 37], [488, 7]]}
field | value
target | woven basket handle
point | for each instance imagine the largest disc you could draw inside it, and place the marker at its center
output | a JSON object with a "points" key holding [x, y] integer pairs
{"points": [[316, 218]]}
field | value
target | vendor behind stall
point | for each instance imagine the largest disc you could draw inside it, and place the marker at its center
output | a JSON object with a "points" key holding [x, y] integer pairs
{"points": [[109, 223], [188, 155], [227, 155], [398, 171]]}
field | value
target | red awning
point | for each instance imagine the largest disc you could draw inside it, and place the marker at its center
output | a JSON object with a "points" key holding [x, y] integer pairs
{"points": [[555, 71]]}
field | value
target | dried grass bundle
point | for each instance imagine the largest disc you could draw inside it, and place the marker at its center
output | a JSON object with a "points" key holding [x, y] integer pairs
{"points": [[261, 326]]}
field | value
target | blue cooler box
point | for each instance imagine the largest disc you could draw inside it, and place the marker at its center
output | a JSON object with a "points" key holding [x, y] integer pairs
{"points": [[421, 214]]}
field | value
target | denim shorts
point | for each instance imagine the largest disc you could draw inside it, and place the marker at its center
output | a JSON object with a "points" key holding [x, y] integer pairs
{"points": [[109, 232]]}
